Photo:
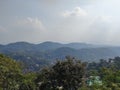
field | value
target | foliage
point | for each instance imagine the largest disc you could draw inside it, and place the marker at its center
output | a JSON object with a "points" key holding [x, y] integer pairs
{"points": [[109, 71], [67, 74], [11, 76], [28, 82], [10, 73]]}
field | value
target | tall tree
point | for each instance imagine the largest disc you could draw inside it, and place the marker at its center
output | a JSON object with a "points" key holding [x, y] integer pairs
{"points": [[67, 74]]}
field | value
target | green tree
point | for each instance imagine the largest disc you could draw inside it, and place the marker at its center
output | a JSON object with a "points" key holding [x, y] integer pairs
{"points": [[10, 73], [67, 74], [27, 82]]}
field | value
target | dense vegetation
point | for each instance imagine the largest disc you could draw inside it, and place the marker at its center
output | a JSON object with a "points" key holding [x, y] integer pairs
{"points": [[69, 74], [12, 77]]}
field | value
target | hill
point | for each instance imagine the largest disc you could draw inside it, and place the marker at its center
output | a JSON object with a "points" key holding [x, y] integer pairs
{"points": [[39, 55]]}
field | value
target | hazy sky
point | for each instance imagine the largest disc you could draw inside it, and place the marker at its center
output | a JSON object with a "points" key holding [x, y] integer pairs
{"points": [[91, 21]]}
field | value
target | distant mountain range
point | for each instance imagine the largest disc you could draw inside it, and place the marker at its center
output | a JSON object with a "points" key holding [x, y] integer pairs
{"points": [[39, 55]]}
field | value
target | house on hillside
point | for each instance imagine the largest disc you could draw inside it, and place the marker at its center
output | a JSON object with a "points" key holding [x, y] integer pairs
{"points": [[94, 80]]}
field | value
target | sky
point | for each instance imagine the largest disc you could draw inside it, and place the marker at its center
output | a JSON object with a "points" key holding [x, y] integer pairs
{"points": [[35, 21]]}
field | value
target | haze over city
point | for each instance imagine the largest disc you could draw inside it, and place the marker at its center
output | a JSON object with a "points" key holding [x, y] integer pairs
{"points": [[35, 21]]}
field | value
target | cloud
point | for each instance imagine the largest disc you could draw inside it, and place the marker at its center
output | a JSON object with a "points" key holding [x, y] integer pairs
{"points": [[2, 29], [48, 1], [93, 29], [77, 11], [27, 29], [33, 23], [63, 20]]}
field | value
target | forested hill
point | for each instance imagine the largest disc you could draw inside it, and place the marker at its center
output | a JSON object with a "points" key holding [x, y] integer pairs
{"points": [[45, 46], [38, 55]]}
